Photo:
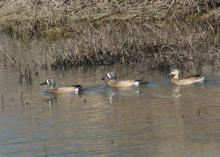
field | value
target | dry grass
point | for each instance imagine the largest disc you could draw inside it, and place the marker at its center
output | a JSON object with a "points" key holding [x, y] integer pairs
{"points": [[40, 16], [170, 44]]}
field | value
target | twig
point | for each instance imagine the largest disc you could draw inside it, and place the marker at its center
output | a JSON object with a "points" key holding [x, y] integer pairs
{"points": [[3, 101], [45, 151], [22, 99]]}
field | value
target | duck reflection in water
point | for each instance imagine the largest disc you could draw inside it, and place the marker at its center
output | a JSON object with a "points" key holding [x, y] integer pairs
{"points": [[176, 92], [114, 93]]}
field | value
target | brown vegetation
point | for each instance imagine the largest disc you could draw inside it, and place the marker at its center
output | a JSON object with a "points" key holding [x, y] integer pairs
{"points": [[170, 43], [58, 17], [161, 34]]}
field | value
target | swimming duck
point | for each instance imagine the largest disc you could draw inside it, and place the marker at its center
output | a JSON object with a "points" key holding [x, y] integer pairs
{"points": [[113, 82], [186, 81], [61, 90]]}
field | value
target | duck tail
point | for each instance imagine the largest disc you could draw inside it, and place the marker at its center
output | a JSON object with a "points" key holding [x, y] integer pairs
{"points": [[141, 81], [197, 75], [77, 86], [201, 79]]}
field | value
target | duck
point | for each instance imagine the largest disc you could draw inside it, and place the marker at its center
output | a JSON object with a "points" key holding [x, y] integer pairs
{"points": [[185, 81], [61, 90], [112, 81]]}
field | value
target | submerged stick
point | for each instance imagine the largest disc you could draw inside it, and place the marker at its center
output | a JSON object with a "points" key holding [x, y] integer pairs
{"points": [[3, 101], [22, 99], [45, 151]]}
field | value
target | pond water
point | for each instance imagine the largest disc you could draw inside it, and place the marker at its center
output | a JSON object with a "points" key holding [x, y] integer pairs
{"points": [[154, 120]]}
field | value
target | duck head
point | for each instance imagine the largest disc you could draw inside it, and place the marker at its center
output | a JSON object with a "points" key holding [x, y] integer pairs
{"points": [[174, 73], [110, 76], [50, 82]]}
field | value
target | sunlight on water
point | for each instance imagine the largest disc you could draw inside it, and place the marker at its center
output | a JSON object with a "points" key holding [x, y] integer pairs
{"points": [[155, 120]]}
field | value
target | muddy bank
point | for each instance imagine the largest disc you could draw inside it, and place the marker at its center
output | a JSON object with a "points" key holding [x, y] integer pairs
{"points": [[159, 46]]}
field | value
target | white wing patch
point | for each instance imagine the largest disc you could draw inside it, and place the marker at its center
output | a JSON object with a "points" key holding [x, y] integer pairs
{"points": [[136, 83], [109, 75]]}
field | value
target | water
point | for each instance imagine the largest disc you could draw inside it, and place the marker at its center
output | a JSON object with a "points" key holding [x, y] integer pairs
{"points": [[154, 120]]}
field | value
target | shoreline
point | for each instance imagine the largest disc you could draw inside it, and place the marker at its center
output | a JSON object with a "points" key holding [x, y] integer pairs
{"points": [[163, 36]]}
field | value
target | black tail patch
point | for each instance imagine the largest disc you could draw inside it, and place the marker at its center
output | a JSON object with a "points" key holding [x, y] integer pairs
{"points": [[77, 86], [141, 81]]}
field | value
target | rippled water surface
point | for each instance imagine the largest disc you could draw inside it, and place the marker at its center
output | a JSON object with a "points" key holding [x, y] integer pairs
{"points": [[154, 120]]}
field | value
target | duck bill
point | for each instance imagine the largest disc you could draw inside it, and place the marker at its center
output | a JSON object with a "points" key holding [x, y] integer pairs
{"points": [[104, 78], [44, 83]]}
